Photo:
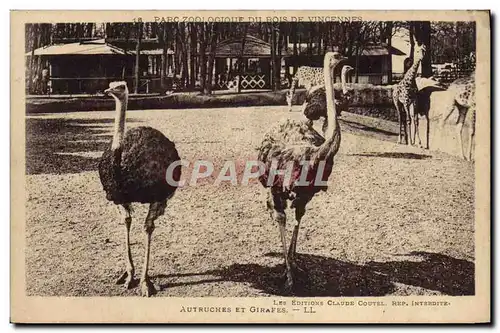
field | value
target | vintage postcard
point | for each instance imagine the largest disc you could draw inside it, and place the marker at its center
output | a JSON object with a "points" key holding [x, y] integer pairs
{"points": [[250, 166]]}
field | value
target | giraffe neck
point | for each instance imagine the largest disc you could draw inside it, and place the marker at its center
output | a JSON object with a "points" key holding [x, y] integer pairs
{"points": [[412, 72]]}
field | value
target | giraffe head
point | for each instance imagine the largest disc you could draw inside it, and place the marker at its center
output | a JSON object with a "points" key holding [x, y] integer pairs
{"points": [[419, 52]]}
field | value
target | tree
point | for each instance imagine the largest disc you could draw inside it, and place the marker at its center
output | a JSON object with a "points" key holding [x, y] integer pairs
{"points": [[242, 52], [422, 30], [203, 54], [164, 46], [386, 38], [137, 57], [211, 57], [274, 67], [192, 54]]}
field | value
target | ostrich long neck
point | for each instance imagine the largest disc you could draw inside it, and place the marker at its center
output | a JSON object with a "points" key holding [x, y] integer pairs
{"points": [[121, 108], [344, 81], [332, 135]]}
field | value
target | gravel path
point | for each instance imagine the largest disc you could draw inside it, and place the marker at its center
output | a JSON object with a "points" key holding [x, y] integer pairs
{"points": [[396, 220]]}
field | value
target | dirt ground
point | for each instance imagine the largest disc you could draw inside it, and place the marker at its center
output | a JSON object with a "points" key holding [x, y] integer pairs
{"points": [[396, 220]]}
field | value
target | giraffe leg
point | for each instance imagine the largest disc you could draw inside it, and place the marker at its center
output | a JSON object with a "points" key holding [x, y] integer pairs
{"points": [[416, 130], [402, 127], [127, 277], [448, 112], [408, 124], [427, 129], [462, 112], [400, 120], [277, 204], [458, 132], [156, 209], [472, 133]]}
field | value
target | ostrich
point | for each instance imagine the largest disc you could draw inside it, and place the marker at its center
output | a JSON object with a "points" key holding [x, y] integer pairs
{"points": [[134, 169], [296, 143], [314, 106]]}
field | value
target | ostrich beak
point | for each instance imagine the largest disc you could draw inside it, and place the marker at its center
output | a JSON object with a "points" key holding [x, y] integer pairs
{"points": [[108, 92]]}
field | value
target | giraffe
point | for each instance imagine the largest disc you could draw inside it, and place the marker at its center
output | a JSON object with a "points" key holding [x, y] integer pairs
{"points": [[405, 97], [462, 96], [306, 76], [342, 100]]}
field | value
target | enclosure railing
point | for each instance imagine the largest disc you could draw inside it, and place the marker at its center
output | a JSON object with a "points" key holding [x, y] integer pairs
{"points": [[95, 85]]}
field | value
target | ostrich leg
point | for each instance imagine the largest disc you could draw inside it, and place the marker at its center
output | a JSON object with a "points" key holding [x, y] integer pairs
{"points": [[300, 210], [277, 203], [128, 276], [291, 91], [156, 209]]}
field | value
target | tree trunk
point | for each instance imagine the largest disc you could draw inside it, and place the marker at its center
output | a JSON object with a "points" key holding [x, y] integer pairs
{"points": [[211, 58], [279, 47], [137, 57], [412, 39], [318, 33], [423, 36], [295, 51], [358, 51], [388, 36], [203, 55], [240, 58], [191, 55], [163, 55], [33, 36], [185, 57], [273, 58], [310, 38]]}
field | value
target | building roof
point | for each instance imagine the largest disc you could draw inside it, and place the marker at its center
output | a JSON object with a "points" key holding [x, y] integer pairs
{"points": [[379, 50], [94, 47], [254, 47], [369, 50]]}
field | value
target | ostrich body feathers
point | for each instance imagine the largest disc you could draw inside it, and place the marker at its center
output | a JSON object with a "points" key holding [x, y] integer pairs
{"points": [[137, 170], [315, 107], [293, 141]]}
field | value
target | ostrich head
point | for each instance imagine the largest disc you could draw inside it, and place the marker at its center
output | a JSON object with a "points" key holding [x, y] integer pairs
{"points": [[331, 61], [118, 90], [345, 70]]}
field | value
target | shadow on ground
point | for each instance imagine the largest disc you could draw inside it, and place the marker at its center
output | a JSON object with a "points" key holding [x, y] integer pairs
{"points": [[410, 156], [436, 272], [324, 276], [358, 128], [59, 146]]}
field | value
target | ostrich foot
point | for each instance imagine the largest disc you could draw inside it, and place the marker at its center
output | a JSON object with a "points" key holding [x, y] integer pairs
{"points": [[147, 288], [288, 283], [297, 269], [127, 279]]}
